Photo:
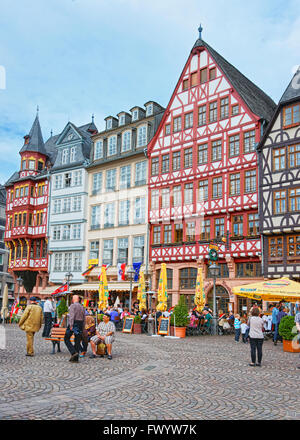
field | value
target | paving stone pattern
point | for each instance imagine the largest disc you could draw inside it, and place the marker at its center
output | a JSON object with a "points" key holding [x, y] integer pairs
{"points": [[200, 377]]}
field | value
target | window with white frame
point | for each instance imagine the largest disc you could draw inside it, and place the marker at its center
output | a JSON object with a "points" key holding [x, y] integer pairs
{"points": [[112, 146], [98, 151], [65, 155], [68, 261], [188, 193], [125, 176], [108, 124], [66, 232], [78, 178], [97, 182], [72, 154], [56, 233], [138, 249], [177, 195], [122, 120], [111, 176], [76, 205], [149, 110], [95, 217], [77, 264], [94, 250], [66, 204], [57, 262], [140, 173], [109, 215], [76, 231], [108, 247], [122, 250], [68, 179], [124, 206], [58, 181], [139, 210], [155, 199], [165, 198], [135, 115], [31, 164], [126, 141], [142, 136], [57, 206]]}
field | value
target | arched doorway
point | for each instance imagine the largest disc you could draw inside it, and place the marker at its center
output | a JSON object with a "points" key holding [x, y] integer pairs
{"points": [[222, 298]]}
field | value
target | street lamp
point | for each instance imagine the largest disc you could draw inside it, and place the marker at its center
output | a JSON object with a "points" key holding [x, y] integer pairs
{"points": [[20, 284], [214, 270], [130, 273]]}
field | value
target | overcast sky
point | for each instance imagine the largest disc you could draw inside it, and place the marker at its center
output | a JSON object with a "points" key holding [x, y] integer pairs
{"points": [[74, 58]]}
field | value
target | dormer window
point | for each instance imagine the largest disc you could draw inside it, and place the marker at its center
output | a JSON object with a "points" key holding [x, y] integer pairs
{"points": [[142, 136], [31, 164], [109, 124], [72, 154], [112, 146], [135, 115], [98, 150], [122, 120], [65, 155], [126, 141], [149, 110]]}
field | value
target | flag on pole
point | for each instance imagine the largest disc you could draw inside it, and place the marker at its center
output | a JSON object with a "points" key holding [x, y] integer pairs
{"points": [[162, 294], [89, 270], [15, 308], [61, 289], [121, 271], [136, 267]]}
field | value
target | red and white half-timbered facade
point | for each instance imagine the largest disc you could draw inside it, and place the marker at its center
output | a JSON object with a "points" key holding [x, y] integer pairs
{"points": [[26, 215], [203, 180]]}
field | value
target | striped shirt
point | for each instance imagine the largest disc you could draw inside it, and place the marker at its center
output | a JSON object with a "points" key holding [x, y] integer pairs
{"points": [[103, 328]]}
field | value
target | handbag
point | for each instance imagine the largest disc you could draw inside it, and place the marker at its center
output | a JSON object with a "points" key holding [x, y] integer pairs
{"points": [[226, 325]]}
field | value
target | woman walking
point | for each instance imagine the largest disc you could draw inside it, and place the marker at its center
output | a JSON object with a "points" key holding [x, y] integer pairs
{"points": [[256, 337]]}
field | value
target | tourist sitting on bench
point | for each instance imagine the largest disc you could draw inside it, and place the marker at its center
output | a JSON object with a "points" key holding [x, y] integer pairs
{"points": [[105, 334]]}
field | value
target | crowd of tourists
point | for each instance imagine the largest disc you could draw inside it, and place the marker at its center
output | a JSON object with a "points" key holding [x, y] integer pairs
{"points": [[250, 328]]}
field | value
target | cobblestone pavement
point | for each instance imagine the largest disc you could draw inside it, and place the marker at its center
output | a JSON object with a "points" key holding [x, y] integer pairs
{"points": [[201, 378]]}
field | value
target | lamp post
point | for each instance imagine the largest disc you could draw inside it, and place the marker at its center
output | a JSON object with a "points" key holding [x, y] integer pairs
{"points": [[68, 277], [130, 273], [20, 284], [214, 271]]}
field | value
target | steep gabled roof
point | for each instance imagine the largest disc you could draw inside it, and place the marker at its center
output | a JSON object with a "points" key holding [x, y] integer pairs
{"points": [[34, 141], [292, 92], [257, 100]]}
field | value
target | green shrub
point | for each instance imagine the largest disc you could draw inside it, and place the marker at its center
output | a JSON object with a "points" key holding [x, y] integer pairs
{"points": [[287, 328], [180, 313], [137, 319], [62, 308]]}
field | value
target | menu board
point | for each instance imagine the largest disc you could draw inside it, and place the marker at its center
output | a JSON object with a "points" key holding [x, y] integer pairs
{"points": [[163, 328], [128, 325]]}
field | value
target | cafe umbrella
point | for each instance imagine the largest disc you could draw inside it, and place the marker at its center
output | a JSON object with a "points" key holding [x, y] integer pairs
{"points": [[199, 295], [4, 310], [270, 290], [141, 295], [162, 294], [103, 290]]}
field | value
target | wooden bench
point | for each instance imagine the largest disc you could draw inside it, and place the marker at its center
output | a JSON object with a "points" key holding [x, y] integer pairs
{"points": [[56, 336]]}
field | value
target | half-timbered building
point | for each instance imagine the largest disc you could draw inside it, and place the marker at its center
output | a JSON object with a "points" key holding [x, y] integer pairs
{"points": [[203, 177], [279, 187], [26, 214]]}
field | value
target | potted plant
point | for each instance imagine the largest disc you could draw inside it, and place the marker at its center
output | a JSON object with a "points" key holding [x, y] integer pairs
{"points": [[288, 332], [180, 318], [137, 324], [62, 308]]}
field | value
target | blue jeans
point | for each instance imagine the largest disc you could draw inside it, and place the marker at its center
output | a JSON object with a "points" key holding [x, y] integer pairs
{"points": [[77, 330], [237, 334], [275, 337]]}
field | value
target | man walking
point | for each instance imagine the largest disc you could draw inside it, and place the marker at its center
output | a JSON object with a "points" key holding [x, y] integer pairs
{"points": [[275, 312], [49, 308], [31, 322], [76, 326]]}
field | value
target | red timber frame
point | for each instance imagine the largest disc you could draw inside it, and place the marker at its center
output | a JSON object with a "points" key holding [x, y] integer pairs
{"points": [[243, 248]]}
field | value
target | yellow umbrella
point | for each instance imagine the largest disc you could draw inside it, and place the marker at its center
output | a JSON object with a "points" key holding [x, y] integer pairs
{"points": [[162, 294], [199, 295], [270, 290], [4, 310], [103, 290], [141, 295]]}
